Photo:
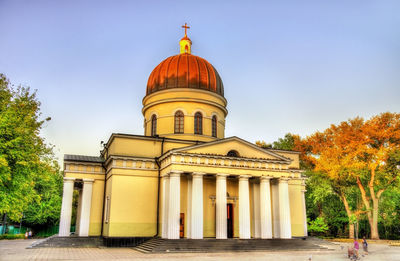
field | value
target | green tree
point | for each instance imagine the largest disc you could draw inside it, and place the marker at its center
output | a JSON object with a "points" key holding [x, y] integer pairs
{"points": [[318, 225], [285, 143], [29, 177]]}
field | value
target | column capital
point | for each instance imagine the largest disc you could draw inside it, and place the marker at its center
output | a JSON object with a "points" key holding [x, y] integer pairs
{"points": [[304, 190], [222, 175], [165, 175], [266, 178], [175, 173], [244, 177], [283, 180], [198, 174], [88, 180], [67, 179]]}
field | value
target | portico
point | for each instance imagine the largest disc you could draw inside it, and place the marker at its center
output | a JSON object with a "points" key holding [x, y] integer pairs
{"points": [[261, 211], [84, 186]]}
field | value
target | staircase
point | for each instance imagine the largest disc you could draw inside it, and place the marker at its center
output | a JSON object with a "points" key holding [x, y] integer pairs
{"points": [[150, 245], [158, 245], [72, 241]]}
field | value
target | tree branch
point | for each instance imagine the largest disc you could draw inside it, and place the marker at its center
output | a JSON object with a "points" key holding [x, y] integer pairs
{"points": [[363, 194]]}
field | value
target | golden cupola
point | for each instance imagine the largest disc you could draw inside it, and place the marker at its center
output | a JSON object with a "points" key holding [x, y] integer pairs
{"points": [[185, 98]]}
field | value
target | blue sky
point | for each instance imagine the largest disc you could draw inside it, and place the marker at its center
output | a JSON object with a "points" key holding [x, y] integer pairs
{"points": [[287, 66]]}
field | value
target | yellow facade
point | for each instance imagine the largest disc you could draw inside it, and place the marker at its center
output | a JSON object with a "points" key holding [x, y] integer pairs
{"points": [[164, 104], [132, 180], [127, 195]]}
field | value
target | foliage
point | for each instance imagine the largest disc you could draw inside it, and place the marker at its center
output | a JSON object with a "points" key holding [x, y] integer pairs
{"points": [[389, 214], [46, 208], [352, 174], [356, 153], [285, 143], [12, 236], [318, 225], [263, 144], [30, 182]]}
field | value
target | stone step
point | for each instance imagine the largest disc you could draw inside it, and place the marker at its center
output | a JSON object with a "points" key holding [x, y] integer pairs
{"points": [[56, 241], [148, 246], [226, 245]]}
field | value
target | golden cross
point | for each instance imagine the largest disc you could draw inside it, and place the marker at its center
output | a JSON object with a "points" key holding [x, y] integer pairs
{"points": [[186, 27]]}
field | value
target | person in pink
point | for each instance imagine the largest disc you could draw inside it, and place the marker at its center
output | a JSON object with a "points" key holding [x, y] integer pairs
{"points": [[356, 247]]}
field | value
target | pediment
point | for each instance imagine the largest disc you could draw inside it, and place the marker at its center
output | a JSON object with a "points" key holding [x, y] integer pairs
{"points": [[221, 147]]}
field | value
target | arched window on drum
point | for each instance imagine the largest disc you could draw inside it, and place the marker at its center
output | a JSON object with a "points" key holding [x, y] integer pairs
{"points": [[179, 120], [214, 126], [153, 125], [198, 123]]}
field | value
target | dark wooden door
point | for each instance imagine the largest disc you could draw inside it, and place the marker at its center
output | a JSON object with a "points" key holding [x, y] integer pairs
{"points": [[182, 225], [229, 215]]}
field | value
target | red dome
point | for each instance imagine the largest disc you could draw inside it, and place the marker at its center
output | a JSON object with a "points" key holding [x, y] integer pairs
{"points": [[185, 71]]}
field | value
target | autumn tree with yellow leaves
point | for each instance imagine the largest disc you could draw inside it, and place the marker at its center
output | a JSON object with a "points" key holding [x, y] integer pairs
{"points": [[358, 159], [356, 153]]}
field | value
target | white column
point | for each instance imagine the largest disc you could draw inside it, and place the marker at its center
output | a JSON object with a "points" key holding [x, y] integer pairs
{"points": [[86, 206], [255, 188], [66, 208], [265, 208], [284, 209], [221, 215], [165, 202], [303, 196], [197, 206], [174, 204], [275, 208], [189, 207], [244, 207]]}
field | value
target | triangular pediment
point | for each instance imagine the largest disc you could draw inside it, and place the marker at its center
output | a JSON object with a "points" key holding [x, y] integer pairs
{"points": [[221, 147]]}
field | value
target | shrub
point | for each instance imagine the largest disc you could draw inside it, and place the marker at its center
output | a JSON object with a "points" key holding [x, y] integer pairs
{"points": [[12, 236], [318, 225]]}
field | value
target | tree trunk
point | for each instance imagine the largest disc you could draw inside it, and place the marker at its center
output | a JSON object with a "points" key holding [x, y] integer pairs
{"points": [[375, 207], [351, 230], [348, 211], [374, 225], [4, 228], [368, 206]]}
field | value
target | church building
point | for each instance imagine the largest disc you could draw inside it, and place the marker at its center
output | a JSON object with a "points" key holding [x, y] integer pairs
{"points": [[183, 178]]}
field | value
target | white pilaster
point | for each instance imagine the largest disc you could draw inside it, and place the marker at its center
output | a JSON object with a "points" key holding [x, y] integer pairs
{"points": [[86, 206], [275, 208], [165, 202], [265, 208], [255, 188], [189, 207], [174, 204], [221, 215], [244, 207], [197, 206], [66, 208], [303, 197], [284, 209]]}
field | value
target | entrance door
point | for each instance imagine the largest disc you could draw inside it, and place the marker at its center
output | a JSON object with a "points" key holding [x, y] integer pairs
{"points": [[182, 225], [229, 210]]}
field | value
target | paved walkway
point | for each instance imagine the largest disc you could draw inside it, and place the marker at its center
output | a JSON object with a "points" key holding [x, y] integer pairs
{"points": [[16, 250]]}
